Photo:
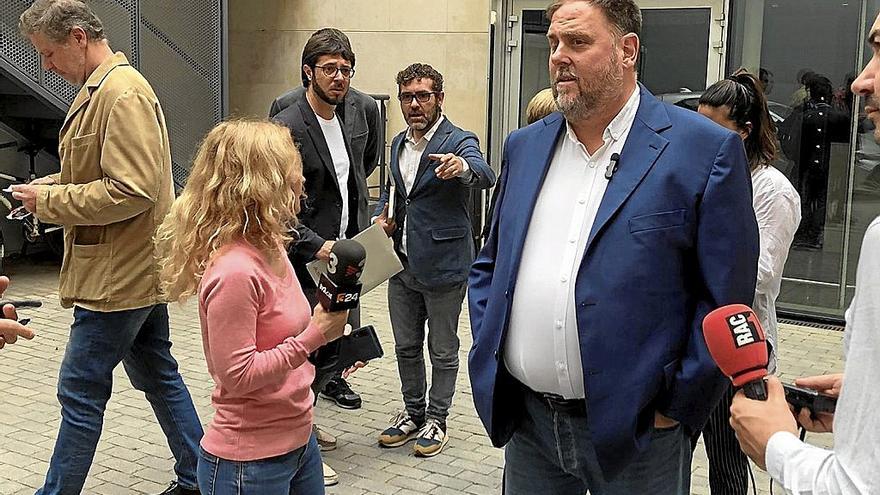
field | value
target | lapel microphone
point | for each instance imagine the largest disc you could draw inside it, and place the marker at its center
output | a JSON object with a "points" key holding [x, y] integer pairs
{"points": [[612, 166]]}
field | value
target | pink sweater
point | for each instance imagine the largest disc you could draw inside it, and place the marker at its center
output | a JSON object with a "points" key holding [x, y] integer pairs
{"points": [[257, 334]]}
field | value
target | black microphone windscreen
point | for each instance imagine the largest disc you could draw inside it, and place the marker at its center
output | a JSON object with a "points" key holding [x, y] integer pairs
{"points": [[347, 259]]}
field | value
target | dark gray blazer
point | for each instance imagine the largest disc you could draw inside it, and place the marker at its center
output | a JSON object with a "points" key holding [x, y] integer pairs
{"points": [[322, 205], [359, 115]]}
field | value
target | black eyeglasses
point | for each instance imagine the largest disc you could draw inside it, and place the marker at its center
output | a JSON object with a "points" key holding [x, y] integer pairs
{"points": [[332, 70], [421, 97]]}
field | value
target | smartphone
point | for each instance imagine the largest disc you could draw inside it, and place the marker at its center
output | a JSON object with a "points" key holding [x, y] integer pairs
{"points": [[361, 344], [809, 398], [22, 303], [19, 213]]}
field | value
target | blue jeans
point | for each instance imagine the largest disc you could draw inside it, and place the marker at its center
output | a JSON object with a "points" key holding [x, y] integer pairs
{"points": [[295, 473], [552, 452], [139, 339]]}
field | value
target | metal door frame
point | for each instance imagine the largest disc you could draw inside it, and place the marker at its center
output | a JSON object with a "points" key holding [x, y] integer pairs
{"points": [[507, 16]]}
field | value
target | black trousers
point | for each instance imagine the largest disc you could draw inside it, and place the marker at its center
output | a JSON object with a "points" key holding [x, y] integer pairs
{"points": [[728, 465], [323, 378]]}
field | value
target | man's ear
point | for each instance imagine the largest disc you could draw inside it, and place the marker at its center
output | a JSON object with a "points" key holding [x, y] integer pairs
{"points": [[79, 36], [630, 45]]}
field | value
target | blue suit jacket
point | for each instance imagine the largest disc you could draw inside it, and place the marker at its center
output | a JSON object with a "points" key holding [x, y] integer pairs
{"points": [[674, 238], [440, 249]]}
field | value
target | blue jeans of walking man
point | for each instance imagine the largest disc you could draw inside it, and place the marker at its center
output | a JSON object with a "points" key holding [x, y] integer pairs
{"points": [[139, 339]]}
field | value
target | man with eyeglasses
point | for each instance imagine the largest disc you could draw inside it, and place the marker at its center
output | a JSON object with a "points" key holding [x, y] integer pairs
{"points": [[337, 135], [434, 166]]}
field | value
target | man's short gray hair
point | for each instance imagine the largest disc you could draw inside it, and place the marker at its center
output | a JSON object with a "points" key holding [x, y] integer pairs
{"points": [[56, 18]]}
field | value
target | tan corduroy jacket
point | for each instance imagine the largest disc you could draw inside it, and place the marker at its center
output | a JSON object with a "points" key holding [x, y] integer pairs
{"points": [[113, 191]]}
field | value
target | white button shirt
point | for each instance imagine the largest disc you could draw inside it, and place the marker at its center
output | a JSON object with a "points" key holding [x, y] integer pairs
{"points": [[542, 348], [778, 211], [409, 158], [852, 467]]}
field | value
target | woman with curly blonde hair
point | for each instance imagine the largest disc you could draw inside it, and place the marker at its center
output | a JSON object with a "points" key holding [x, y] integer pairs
{"points": [[225, 241]]}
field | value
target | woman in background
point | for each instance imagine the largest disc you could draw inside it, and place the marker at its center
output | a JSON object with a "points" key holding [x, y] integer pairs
{"points": [[738, 103], [225, 241]]}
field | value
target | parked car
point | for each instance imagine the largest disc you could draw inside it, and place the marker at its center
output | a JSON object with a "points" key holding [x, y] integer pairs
{"points": [[691, 100]]}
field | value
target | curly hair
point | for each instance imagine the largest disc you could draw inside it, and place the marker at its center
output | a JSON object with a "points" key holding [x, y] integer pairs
{"points": [[245, 184], [421, 71]]}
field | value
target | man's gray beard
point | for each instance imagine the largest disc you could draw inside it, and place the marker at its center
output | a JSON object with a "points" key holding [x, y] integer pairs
{"points": [[428, 123], [575, 109], [583, 106], [419, 126]]}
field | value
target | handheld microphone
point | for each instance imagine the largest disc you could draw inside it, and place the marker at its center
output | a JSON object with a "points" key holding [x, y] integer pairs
{"points": [[612, 166], [737, 344], [339, 287]]}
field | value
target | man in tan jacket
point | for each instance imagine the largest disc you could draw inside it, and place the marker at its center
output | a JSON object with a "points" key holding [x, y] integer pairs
{"points": [[113, 191]]}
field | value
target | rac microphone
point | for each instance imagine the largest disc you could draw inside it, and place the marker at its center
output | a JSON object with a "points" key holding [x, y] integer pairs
{"points": [[339, 287], [737, 344]]}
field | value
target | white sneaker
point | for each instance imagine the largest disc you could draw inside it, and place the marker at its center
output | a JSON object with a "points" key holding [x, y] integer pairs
{"points": [[330, 476], [325, 440]]}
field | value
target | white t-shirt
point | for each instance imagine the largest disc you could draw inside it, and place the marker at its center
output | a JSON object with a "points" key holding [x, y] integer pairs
{"points": [[333, 135]]}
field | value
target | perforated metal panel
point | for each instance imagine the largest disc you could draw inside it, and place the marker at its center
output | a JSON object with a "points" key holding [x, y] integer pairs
{"points": [[181, 50], [177, 45], [13, 47], [58, 86], [120, 24]]}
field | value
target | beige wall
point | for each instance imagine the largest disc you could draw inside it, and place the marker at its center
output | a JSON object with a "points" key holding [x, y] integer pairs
{"points": [[266, 39]]}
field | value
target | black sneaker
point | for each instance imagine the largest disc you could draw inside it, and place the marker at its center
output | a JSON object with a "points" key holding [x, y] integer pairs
{"points": [[338, 391], [175, 489]]}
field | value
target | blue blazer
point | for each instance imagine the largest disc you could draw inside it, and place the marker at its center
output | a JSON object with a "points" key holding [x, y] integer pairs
{"points": [[674, 238], [438, 225]]}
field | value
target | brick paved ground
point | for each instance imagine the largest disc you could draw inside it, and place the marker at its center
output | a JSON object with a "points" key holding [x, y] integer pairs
{"points": [[132, 457]]}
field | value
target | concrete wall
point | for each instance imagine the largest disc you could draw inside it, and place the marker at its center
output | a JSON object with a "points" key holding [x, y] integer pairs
{"points": [[266, 39]]}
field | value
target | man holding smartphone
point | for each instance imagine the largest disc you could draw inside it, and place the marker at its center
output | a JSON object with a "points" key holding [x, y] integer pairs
{"points": [[434, 167], [113, 191], [767, 429]]}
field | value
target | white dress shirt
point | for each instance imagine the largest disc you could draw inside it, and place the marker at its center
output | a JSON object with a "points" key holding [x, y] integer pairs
{"points": [[778, 211], [853, 467], [409, 158], [542, 348], [333, 135]]}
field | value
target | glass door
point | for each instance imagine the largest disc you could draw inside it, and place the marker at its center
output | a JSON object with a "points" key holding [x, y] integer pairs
{"points": [[827, 149], [682, 51]]}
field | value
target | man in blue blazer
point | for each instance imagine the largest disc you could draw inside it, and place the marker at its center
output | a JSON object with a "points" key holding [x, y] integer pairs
{"points": [[621, 223], [424, 207]]}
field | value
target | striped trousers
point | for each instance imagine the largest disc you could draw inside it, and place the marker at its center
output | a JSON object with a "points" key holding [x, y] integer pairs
{"points": [[728, 465]]}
